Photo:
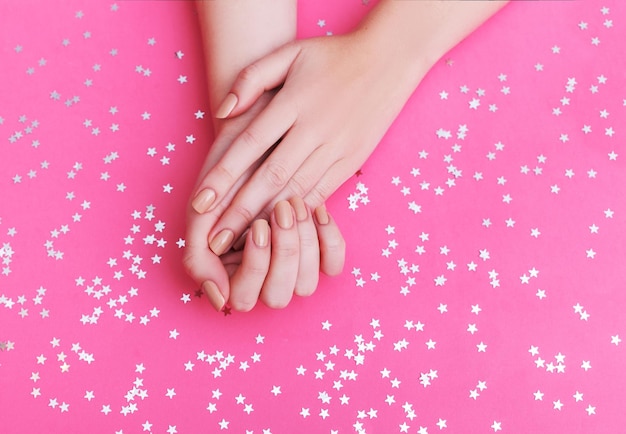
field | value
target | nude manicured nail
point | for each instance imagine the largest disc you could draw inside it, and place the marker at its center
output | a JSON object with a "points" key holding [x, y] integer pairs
{"points": [[227, 106], [260, 233], [299, 207], [284, 216], [213, 293], [321, 215], [241, 242], [203, 200], [222, 241]]}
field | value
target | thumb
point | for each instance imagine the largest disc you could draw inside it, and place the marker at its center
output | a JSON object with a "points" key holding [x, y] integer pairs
{"points": [[257, 78], [204, 267]]}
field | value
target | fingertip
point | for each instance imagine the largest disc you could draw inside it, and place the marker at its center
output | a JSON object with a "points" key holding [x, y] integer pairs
{"points": [[284, 213], [208, 272], [276, 302], [332, 243], [260, 233], [299, 208], [202, 202], [333, 255], [227, 106], [214, 295], [221, 242], [309, 267], [278, 288], [333, 267], [243, 307], [247, 282], [321, 215], [306, 289]]}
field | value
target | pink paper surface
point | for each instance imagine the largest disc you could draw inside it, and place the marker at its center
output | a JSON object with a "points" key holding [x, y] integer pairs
{"points": [[484, 283]]}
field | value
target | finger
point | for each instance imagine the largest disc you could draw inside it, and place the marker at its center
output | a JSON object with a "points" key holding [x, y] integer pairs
{"points": [[281, 278], [311, 175], [247, 281], [231, 262], [263, 75], [241, 242], [202, 200], [332, 244], [328, 183], [202, 265], [265, 130], [309, 264], [267, 181], [314, 181]]}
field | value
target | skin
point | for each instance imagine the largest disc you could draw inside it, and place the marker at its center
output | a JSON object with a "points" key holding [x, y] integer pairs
{"points": [[270, 267], [338, 96], [235, 33]]}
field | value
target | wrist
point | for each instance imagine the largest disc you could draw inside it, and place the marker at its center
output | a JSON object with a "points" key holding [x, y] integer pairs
{"points": [[394, 53], [416, 34], [235, 33]]}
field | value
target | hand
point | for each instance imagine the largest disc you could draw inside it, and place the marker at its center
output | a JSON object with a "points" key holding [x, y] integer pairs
{"points": [[274, 267], [338, 97], [201, 264], [239, 278], [280, 259]]}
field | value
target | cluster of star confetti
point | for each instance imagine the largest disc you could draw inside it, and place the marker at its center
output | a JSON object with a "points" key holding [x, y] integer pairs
{"points": [[488, 226]]}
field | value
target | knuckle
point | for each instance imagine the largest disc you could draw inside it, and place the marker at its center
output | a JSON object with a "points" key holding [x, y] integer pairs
{"points": [[256, 270], [243, 212], [336, 246], [250, 139], [326, 186], [224, 173], [250, 73], [287, 251], [298, 185], [308, 240], [318, 195], [276, 174]]}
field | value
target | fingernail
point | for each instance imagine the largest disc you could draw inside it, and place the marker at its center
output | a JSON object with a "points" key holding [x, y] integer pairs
{"points": [[203, 200], [213, 293], [220, 243], [241, 242], [299, 207], [284, 217], [321, 215], [227, 106], [260, 233]]}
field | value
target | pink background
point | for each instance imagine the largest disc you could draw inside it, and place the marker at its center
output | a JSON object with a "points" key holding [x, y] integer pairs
{"points": [[484, 284]]}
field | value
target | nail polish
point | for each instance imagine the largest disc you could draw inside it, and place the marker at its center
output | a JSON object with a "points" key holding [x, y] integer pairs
{"points": [[203, 200], [213, 293], [222, 241], [299, 207], [283, 213], [241, 242], [260, 233], [321, 215], [227, 106]]}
